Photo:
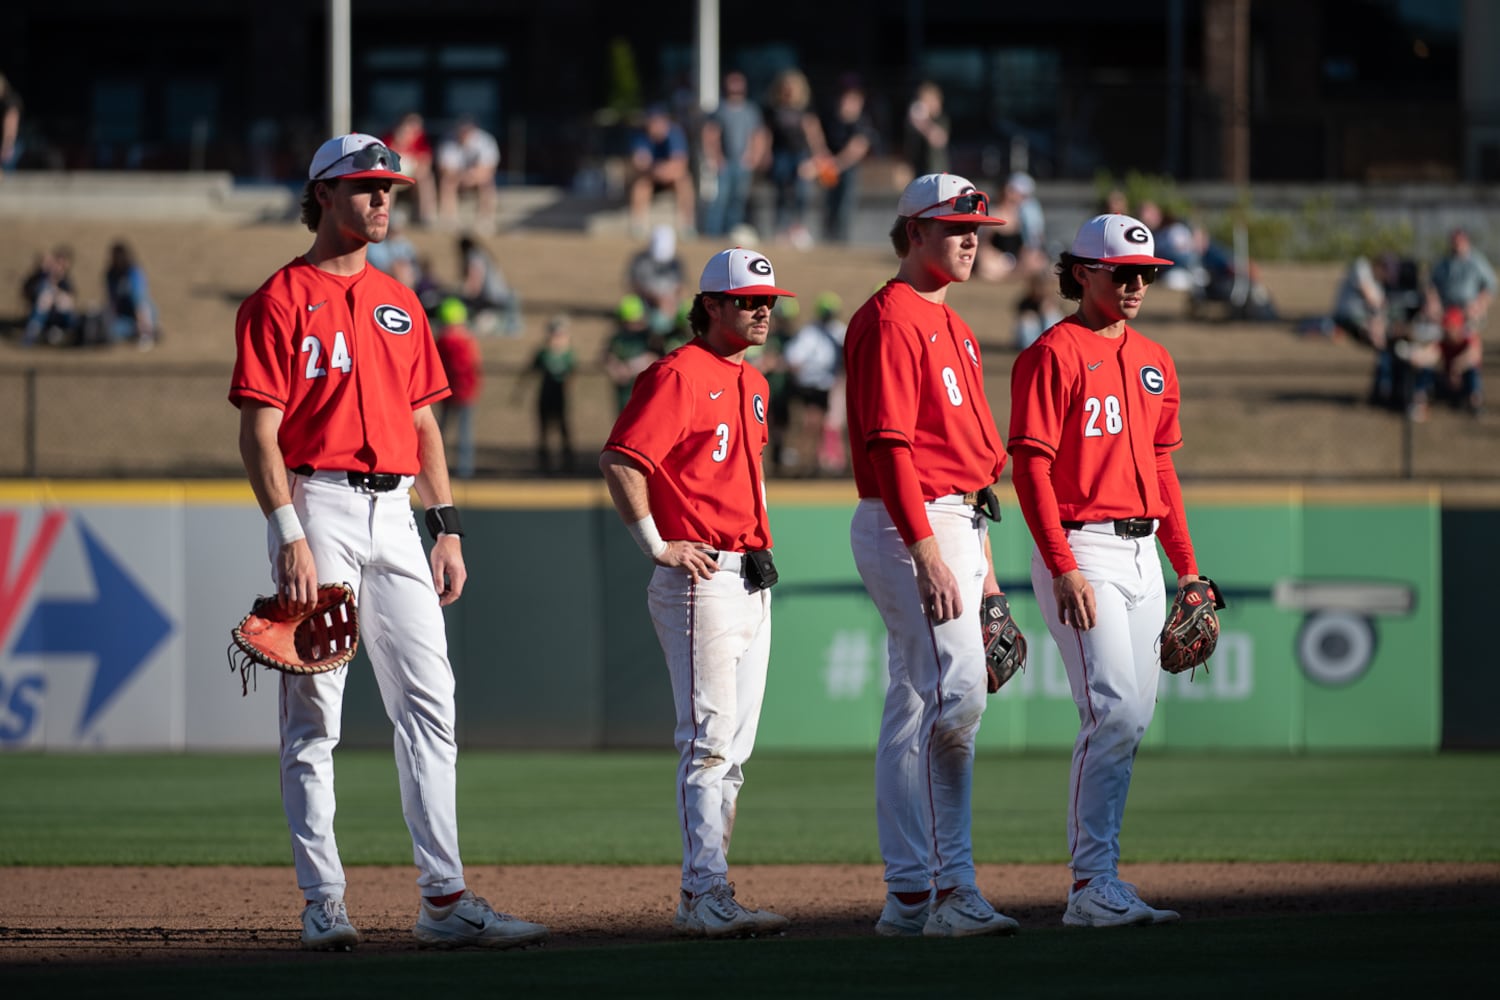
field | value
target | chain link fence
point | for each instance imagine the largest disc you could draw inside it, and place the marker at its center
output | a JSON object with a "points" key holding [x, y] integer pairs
{"points": [[1240, 423]]}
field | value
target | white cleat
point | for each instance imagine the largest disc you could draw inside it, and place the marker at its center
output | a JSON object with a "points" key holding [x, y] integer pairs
{"points": [[470, 920], [1158, 916], [1106, 902], [966, 913], [900, 919], [716, 913], [326, 927]]}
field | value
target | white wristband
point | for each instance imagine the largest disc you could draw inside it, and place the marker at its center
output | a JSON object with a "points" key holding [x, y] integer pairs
{"points": [[284, 522], [647, 537]]}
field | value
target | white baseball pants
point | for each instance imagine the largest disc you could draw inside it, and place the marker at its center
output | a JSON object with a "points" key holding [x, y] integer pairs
{"points": [[1112, 669], [369, 540], [716, 636], [924, 765]]}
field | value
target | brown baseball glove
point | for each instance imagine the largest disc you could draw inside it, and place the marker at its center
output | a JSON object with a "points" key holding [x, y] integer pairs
{"points": [[1004, 645], [321, 639], [1192, 629]]}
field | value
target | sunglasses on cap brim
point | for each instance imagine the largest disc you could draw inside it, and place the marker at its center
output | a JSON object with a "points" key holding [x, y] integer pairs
{"points": [[1125, 274], [371, 157], [973, 203], [750, 303]]}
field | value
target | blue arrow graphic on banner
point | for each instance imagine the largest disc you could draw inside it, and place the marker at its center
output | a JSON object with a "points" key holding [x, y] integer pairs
{"points": [[120, 627]]}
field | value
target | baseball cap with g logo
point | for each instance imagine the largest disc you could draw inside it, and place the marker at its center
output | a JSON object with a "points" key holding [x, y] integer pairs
{"points": [[740, 272], [946, 198], [1116, 239], [354, 156]]}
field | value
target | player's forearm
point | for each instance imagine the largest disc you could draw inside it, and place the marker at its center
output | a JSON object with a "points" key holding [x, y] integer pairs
{"points": [[1031, 474], [1173, 529], [900, 491], [627, 486], [261, 454], [432, 484]]}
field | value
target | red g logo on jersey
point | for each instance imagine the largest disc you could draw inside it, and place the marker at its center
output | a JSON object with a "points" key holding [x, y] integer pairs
{"points": [[760, 408], [393, 319], [1153, 380]]}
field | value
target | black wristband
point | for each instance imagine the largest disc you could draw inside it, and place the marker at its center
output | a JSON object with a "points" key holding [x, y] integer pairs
{"points": [[444, 520]]}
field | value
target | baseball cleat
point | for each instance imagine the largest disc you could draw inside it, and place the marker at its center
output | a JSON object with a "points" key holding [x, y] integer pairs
{"points": [[900, 919], [966, 913], [1106, 902], [1158, 916], [326, 926], [716, 913], [470, 920]]}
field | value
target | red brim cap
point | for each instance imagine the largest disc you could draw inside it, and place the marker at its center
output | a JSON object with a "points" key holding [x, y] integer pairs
{"points": [[971, 219], [1138, 258], [757, 290], [387, 175]]}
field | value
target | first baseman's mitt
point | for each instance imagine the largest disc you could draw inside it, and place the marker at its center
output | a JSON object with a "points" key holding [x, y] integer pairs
{"points": [[321, 639], [1004, 645], [1192, 629]]}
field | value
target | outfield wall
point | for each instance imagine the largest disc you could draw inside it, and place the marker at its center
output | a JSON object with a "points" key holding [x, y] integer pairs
{"points": [[116, 601]]}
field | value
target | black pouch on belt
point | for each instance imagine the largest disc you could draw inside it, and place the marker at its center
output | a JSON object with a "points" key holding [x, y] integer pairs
{"points": [[760, 570]]}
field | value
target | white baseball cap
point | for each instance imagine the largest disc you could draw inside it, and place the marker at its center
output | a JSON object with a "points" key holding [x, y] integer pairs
{"points": [[947, 198], [354, 156], [740, 272], [1116, 239]]}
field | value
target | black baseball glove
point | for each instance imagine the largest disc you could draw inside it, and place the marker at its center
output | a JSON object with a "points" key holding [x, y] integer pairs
{"points": [[1004, 645], [1192, 629]]}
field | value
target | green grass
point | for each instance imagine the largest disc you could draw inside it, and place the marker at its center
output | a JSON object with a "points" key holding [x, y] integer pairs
{"points": [[1361, 955], [617, 808]]}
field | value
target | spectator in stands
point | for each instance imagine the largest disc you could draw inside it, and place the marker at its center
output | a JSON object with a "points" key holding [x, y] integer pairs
{"points": [[1464, 278], [659, 162], [129, 313], [1020, 244], [467, 161], [459, 352], [408, 140], [10, 126], [1446, 366], [927, 131], [851, 137], [1037, 310], [396, 255], [1182, 244], [770, 360], [796, 144], [630, 350], [554, 364], [493, 304], [735, 146], [1359, 305], [655, 274], [815, 359], [51, 300]]}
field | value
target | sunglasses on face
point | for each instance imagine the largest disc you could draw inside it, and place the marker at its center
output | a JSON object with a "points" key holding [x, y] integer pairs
{"points": [[750, 303], [973, 203], [1125, 274], [367, 158]]}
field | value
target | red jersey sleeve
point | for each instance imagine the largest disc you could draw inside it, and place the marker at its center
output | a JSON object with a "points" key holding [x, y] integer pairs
{"points": [[891, 363], [429, 382], [643, 430], [262, 368], [1040, 394]]}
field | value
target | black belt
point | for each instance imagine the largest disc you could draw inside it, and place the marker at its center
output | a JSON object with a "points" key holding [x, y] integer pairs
{"points": [[1128, 527], [375, 482], [984, 501]]}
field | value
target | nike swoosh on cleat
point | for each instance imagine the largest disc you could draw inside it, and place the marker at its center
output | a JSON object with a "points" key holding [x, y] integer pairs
{"points": [[479, 926]]}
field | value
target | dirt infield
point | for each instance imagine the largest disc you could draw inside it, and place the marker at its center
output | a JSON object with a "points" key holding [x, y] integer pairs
{"points": [[202, 914]]}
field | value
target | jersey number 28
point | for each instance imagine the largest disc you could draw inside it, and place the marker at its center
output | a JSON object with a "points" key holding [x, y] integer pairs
{"points": [[340, 358], [1109, 409]]}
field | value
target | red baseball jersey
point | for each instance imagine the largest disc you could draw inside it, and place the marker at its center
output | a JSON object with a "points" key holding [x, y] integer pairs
{"points": [[698, 424], [915, 377], [1101, 408], [347, 359]]}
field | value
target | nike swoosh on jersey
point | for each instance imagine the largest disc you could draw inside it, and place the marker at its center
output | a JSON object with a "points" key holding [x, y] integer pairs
{"points": [[716, 395], [933, 338], [1096, 364], [320, 305]]}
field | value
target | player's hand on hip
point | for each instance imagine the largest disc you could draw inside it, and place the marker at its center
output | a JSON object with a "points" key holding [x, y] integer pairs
{"points": [[296, 576], [448, 571], [698, 560], [1075, 600], [936, 585]]}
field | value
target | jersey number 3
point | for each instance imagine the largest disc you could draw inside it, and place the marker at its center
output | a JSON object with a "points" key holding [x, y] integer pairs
{"points": [[340, 358], [1109, 410]]}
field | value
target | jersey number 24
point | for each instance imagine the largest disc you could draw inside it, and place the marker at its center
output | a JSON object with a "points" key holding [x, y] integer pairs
{"points": [[340, 358]]}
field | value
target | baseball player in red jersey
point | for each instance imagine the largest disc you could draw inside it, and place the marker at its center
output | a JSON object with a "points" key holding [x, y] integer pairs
{"points": [[1093, 424], [925, 453], [683, 466], [335, 376]]}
